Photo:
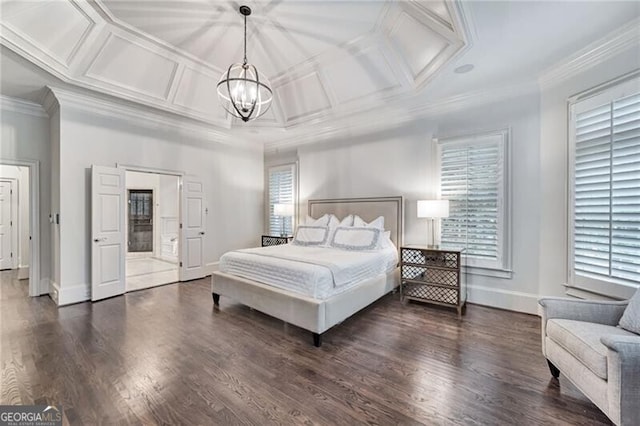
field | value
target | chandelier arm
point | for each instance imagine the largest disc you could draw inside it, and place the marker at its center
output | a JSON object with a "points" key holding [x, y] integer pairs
{"points": [[230, 95], [253, 106]]}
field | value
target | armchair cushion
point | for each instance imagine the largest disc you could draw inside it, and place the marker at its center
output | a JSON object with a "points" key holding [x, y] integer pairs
{"points": [[582, 340], [631, 317]]}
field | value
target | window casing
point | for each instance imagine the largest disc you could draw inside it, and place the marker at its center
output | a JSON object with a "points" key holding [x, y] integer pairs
{"points": [[474, 177], [604, 188], [282, 189]]}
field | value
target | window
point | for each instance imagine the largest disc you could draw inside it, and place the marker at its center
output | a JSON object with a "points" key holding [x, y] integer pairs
{"points": [[474, 178], [605, 188], [282, 190]]}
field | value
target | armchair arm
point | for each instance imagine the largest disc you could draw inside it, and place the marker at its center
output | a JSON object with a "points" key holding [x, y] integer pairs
{"points": [[623, 369], [600, 312]]}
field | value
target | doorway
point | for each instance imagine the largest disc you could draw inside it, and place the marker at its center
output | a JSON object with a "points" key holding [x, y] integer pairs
{"points": [[152, 216], [19, 224]]}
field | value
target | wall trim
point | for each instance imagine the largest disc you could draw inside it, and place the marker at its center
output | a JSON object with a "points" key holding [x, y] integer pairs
{"points": [[593, 54], [73, 294], [21, 106], [504, 299], [149, 119], [397, 116], [212, 267]]}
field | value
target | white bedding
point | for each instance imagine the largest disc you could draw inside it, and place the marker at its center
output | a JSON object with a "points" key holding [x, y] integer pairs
{"points": [[318, 272]]}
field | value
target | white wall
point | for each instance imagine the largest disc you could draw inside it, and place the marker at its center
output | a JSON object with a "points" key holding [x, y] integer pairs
{"points": [[232, 175], [20, 176], [24, 136]]}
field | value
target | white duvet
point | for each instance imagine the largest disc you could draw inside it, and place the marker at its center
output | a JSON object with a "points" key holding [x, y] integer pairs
{"points": [[319, 272]]}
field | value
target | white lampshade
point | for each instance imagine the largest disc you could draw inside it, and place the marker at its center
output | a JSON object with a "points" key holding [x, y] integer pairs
{"points": [[283, 210], [433, 208]]}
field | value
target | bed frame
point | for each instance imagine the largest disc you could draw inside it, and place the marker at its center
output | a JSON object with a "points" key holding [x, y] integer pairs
{"points": [[306, 312]]}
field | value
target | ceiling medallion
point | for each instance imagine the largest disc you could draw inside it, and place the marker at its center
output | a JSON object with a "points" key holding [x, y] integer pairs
{"points": [[242, 91]]}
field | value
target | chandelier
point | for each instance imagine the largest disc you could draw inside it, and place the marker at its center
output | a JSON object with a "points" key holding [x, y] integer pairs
{"points": [[242, 91]]}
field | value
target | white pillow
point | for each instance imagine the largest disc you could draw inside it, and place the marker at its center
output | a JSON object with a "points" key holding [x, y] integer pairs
{"points": [[333, 222], [347, 221], [355, 238], [385, 240], [311, 235], [375, 223], [321, 221]]}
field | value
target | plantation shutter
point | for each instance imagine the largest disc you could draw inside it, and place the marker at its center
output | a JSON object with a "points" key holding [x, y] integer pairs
{"points": [[281, 191], [606, 222], [472, 179]]}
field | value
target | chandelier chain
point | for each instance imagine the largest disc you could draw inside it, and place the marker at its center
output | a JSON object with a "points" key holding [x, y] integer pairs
{"points": [[245, 40]]}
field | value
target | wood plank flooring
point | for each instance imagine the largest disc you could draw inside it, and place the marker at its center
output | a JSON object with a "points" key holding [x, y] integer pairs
{"points": [[167, 356]]}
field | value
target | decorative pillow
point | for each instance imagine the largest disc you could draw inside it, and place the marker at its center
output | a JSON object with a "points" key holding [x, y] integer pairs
{"points": [[355, 238], [321, 221], [376, 223], [630, 320], [311, 235], [385, 240], [347, 221]]}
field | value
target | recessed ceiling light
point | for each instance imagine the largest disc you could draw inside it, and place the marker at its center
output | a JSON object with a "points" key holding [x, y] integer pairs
{"points": [[463, 69]]}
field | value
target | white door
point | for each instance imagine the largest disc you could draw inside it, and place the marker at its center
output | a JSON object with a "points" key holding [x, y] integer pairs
{"points": [[193, 233], [107, 232], [6, 234]]}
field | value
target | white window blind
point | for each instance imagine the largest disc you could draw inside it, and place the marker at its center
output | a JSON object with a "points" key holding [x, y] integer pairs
{"points": [[606, 189], [282, 181], [472, 178]]}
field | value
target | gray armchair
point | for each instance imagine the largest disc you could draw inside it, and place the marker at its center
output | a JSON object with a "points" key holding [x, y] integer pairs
{"points": [[581, 340]]}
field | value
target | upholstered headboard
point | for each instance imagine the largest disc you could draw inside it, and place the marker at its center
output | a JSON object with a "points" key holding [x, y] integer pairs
{"points": [[367, 208]]}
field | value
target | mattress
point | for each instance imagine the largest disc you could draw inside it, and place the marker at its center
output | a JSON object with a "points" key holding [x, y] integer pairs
{"points": [[318, 272]]}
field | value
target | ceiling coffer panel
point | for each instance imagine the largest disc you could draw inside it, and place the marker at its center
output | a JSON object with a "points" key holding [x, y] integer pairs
{"points": [[124, 63], [196, 90], [361, 75], [302, 98], [418, 44], [55, 28]]}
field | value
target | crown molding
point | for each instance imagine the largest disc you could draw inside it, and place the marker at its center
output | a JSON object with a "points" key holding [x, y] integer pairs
{"points": [[22, 107], [593, 54], [380, 120], [146, 119]]}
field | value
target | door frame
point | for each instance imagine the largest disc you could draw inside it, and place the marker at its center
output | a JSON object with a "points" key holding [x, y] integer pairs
{"points": [[180, 175], [36, 288]]}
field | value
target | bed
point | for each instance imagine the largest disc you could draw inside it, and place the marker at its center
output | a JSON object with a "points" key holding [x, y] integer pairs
{"points": [[318, 310]]}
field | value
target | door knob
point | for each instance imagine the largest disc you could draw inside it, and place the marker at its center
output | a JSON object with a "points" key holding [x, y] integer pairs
{"points": [[201, 232], [97, 240]]}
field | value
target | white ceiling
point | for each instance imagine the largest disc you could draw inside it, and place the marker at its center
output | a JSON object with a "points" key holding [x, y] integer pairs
{"points": [[326, 60]]}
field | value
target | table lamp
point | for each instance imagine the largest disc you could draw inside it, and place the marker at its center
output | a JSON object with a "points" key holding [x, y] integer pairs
{"points": [[432, 210], [284, 211]]}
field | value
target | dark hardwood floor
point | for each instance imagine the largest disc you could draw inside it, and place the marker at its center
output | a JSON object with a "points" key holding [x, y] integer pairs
{"points": [[167, 356]]}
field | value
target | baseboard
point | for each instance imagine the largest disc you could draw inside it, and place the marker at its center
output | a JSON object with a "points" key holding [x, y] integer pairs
{"points": [[54, 291], [212, 267], [45, 286], [74, 294], [503, 299]]}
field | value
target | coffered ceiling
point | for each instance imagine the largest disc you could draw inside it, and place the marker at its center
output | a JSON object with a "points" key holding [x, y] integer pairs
{"points": [[328, 61]]}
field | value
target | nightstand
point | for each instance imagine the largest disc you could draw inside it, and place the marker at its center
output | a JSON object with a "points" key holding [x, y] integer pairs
{"points": [[272, 240], [433, 274]]}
